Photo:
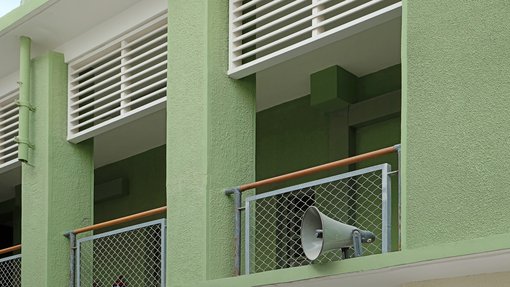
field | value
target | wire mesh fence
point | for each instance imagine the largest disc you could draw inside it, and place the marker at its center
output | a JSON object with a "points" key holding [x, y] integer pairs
{"points": [[360, 198], [132, 256], [10, 271]]}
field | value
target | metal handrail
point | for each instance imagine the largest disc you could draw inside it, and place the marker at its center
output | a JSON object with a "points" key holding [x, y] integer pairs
{"points": [[10, 249], [120, 220], [72, 234], [316, 169]]}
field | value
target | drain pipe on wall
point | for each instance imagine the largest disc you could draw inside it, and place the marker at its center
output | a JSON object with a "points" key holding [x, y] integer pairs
{"points": [[24, 100]]}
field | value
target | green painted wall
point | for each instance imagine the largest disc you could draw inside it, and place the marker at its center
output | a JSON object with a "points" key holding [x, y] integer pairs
{"points": [[210, 142], [500, 279], [293, 135], [57, 182], [366, 263], [457, 120], [145, 176]]}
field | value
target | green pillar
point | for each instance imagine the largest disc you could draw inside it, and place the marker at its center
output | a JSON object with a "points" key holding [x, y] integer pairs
{"points": [[57, 181], [210, 142]]}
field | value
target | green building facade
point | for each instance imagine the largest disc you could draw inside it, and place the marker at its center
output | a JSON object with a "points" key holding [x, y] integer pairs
{"points": [[129, 106]]}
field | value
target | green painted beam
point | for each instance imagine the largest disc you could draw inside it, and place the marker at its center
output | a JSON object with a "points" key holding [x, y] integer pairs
{"points": [[375, 109], [57, 185], [333, 88]]}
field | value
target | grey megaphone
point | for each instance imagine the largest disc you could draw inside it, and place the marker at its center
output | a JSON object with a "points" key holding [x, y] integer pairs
{"points": [[320, 233]]}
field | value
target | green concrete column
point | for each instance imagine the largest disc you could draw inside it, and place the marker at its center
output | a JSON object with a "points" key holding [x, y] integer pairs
{"points": [[455, 121], [57, 181], [210, 142]]}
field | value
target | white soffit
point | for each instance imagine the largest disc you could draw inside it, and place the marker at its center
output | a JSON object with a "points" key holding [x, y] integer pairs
{"points": [[72, 27], [361, 54]]}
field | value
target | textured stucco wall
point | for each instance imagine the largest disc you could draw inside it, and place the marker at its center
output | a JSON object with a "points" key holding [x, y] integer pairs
{"points": [[457, 119], [210, 142], [494, 280], [57, 183]]}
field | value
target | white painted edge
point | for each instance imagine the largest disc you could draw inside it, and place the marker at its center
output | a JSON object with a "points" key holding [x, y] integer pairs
{"points": [[361, 24], [104, 32], [113, 123], [8, 166]]}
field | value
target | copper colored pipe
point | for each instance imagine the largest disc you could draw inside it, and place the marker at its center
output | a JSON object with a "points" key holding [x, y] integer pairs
{"points": [[121, 220], [319, 168], [10, 249]]}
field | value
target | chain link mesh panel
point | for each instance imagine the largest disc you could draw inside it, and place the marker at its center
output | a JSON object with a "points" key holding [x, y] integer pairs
{"points": [[356, 198], [131, 257], [10, 271]]}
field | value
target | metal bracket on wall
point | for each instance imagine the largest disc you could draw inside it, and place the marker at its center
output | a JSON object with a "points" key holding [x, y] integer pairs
{"points": [[26, 105], [20, 141], [238, 208]]}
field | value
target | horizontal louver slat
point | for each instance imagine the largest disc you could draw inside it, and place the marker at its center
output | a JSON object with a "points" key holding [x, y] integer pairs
{"points": [[118, 80], [8, 129], [265, 33]]}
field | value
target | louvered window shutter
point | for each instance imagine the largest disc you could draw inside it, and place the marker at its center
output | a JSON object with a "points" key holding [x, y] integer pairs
{"points": [[118, 82]]}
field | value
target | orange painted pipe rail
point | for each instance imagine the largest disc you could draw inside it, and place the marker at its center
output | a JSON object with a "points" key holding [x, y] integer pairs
{"points": [[315, 169], [10, 249], [121, 220]]}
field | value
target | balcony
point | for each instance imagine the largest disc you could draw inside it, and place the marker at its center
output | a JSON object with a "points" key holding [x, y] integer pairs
{"points": [[271, 236], [265, 33], [120, 255], [10, 267]]}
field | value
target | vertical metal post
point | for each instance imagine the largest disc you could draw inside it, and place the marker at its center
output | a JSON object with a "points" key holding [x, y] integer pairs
{"points": [[72, 260], [163, 253], [356, 239], [399, 215], [386, 209], [247, 227], [237, 235], [237, 227]]}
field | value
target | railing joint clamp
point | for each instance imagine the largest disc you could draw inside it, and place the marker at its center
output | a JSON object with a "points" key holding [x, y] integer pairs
{"points": [[231, 191]]}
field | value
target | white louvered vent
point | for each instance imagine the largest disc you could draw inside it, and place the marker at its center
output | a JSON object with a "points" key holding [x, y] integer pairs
{"points": [[8, 129], [118, 82], [267, 32]]}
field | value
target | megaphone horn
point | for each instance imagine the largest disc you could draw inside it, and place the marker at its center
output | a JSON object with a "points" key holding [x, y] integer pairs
{"points": [[320, 233]]}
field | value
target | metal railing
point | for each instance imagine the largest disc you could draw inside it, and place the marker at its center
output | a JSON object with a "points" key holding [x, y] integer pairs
{"points": [[129, 256], [271, 222], [10, 268]]}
